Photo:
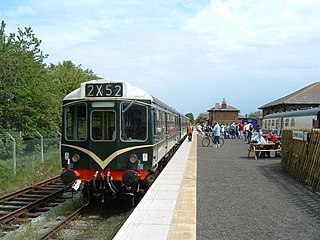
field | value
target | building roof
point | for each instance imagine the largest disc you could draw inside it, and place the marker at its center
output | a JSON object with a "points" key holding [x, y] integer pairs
{"points": [[219, 108], [307, 95]]}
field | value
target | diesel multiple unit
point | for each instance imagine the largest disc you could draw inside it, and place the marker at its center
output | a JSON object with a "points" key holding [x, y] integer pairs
{"points": [[115, 138]]}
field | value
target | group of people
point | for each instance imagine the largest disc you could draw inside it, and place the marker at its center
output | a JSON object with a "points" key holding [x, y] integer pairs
{"points": [[232, 131], [270, 138]]}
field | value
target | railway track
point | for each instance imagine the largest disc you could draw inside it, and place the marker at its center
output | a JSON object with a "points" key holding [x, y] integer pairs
{"points": [[19, 206], [84, 223]]}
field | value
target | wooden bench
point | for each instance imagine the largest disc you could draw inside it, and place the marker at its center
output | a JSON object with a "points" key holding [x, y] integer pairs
{"points": [[257, 148]]}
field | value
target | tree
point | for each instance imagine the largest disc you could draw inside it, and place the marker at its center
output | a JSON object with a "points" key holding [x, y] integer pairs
{"points": [[202, 118], [22, 79], [191, 117], [256, 114], [30, 91]]}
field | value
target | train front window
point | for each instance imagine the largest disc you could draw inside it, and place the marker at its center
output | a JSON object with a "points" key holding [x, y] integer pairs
{"points": [[76, 122], [133, 122], [103, 126]]}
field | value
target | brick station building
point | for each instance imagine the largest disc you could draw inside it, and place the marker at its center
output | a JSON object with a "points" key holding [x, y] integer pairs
{"points": [[223, 113]]}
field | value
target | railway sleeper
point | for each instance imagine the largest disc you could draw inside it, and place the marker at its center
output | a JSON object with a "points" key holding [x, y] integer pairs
{"points": [[8, 227], [15, 203], [42, 209], [9, 207], [24, 199], [31, 214]]}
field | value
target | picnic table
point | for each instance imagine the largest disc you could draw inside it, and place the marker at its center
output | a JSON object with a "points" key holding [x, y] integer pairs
{"points": [[257, 148]]}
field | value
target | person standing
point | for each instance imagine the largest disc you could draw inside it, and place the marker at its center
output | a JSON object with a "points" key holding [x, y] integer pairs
{"points": [[251, 129], [241, 129], [216, 134], [189, 132], [246, 129]]}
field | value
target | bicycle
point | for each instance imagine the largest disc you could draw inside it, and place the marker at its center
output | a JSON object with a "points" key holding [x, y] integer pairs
{"points": [[208, 139]]}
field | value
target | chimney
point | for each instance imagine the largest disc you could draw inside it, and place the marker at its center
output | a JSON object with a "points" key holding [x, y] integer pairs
{"points": [[224, 104]]}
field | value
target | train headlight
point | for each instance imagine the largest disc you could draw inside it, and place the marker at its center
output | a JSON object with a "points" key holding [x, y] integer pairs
{"points": [[75, 158], [133, 158]]}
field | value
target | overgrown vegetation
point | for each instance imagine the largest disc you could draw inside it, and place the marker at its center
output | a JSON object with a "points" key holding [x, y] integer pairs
{"points": [[30, 170], [30, 90]]}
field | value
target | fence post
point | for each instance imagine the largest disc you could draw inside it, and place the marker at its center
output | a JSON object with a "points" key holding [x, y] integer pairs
{"points": [[14, 154], [59, 133], [41, 142]]}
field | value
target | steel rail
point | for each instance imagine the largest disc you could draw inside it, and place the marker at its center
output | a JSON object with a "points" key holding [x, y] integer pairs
{"points": [[39, 200], [27, 189], [64, 222]]}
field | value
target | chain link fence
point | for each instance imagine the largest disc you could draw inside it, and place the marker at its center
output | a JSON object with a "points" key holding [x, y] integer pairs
{"points": [[19, 151]]}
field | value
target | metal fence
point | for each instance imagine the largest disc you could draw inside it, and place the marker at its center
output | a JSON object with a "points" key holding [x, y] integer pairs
{"points": [[18, 151]]}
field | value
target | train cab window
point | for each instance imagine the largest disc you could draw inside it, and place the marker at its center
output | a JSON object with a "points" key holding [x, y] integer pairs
{"points": [[133, 121], [76, 122], [103, 126]]}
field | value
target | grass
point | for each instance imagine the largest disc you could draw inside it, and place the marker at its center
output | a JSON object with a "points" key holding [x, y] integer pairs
{"points": [[30, 170]]}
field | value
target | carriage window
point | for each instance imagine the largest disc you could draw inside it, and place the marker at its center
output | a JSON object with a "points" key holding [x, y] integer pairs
{"points": [[292, 123], [103, 126], [265, 124], [76, 122], [277, 123], [286, 122], [133, 122]]}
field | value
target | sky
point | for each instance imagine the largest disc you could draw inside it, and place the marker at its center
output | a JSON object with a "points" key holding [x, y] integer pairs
{"points": [[188, 53]]}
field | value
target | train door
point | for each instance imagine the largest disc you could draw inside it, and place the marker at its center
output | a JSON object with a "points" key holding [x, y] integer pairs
{"points": [[316, 122]]}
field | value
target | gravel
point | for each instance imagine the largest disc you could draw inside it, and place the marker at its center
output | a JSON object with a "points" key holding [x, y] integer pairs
{"points": [[241, 198]]}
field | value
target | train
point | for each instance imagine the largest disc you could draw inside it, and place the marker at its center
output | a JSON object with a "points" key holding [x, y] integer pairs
{"points": [[253, 121], [116, 138], [308, 118]]}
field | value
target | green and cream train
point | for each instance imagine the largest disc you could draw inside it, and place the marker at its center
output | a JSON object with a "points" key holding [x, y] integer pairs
{"points": [[116, 138], [297, 119]]}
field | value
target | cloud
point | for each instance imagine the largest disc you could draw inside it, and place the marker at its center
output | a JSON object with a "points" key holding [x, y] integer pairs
{"points": [[168, 47], [237, 25]]}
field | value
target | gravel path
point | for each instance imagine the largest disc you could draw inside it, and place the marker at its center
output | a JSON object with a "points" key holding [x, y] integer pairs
{"points": [[241, 198]]}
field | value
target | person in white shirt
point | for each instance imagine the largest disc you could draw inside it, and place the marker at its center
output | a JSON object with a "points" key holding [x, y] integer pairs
{"points": [[258, 138]]}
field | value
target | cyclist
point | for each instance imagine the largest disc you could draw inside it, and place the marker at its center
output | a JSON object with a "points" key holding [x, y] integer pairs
{"points": [[216, 134]]}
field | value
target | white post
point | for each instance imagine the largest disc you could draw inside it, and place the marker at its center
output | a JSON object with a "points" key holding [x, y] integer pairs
{"points": [[14, 154], [59, 142], [41, 141]]}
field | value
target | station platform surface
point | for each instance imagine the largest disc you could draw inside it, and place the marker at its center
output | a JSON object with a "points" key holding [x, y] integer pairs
{"points": [[168, 210], [220, 193]]}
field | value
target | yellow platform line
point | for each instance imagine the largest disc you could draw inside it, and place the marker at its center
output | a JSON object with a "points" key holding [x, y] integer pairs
{"points": [[183, 225]]}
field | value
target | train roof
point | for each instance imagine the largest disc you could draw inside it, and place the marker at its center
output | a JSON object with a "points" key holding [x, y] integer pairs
{"points": [[128, 92], [295, 113]]}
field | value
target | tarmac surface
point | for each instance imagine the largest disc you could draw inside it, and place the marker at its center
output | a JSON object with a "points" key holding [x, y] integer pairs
{"points": [[243, 198]]}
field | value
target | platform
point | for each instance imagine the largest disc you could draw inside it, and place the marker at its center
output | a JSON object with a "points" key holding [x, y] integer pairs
{"points": [[209, 193], [168, 210]]}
